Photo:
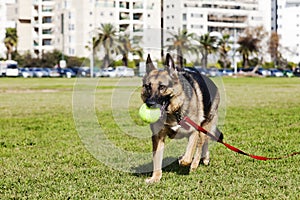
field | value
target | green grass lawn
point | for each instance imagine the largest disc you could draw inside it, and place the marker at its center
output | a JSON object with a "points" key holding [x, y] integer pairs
{"points": [[51, 148]]}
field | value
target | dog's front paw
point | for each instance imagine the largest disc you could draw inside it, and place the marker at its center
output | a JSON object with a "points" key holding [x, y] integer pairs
{"points": [[155, 177], [194, 166], [152, 180], [184, 162], [205, 161]]}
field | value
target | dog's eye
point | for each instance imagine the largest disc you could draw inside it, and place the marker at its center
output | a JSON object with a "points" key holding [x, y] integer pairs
{"points": [[162, 87], [147, 87]]}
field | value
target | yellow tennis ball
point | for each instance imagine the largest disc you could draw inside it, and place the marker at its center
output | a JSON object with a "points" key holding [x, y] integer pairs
{"points": [[149, 115]]}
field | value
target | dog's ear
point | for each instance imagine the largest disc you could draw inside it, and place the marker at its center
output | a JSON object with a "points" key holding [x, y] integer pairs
{"points": [[170, 65], [149, 65]]}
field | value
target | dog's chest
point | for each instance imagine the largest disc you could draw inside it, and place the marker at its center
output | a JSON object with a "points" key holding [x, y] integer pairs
{"points": [[177, 132]]}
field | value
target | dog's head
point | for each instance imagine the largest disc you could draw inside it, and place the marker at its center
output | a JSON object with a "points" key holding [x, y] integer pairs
{"points": [[160, 86]]}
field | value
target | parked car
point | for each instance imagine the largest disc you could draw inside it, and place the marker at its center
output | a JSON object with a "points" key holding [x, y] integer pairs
{"points": [[276, 73], [109, 72], [38, 72], [213, 72], [25, 73], [12, 69], [226, 72], [202, 70], [287, 72], [54, 73], [66, 72], [123, 71], [297, 72], [263, 72]]}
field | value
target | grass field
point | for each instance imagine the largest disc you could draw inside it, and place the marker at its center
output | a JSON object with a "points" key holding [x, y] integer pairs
{"points": [[44, 152]]}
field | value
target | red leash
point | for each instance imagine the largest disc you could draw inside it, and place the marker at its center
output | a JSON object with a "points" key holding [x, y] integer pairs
{"points": [[186, 120]]}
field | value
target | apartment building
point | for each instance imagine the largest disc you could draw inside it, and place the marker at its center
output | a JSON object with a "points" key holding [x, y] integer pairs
{"points": [[8, 17], [288, 28], [69, 25], [202, 16]]}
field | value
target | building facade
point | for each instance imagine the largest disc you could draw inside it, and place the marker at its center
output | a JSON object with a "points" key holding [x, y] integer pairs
{"points": [[8, 18], [288, 28], [203, 16], [69, 25]]}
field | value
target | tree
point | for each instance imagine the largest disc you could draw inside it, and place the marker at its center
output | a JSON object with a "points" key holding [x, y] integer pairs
{"points": [[207, 45], [10, 41], [107, 38], [274, 47], [250, 43], [223, 49], [127, 45], [181, 43]]}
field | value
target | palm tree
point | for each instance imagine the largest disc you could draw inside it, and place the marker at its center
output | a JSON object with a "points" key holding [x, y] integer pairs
{"points": [[274, 47], [127, 45], [250, 43], [223, 49], [181, 43], [107, 38], [248, 46], [10, 41], [207, 45]]}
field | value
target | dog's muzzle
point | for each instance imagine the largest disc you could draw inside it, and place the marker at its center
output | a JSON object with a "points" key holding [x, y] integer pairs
{"points": [[162, 104]]}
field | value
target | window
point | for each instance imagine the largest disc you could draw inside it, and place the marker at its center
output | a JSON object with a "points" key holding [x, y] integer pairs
{"points": [[47, 42], [71, 27], [184, 16], [47, 20]]}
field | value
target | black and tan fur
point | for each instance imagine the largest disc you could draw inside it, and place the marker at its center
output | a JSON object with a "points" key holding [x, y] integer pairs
{"points": [[180, 92]]}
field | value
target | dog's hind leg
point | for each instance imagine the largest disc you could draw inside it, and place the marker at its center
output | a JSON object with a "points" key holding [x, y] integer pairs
{"points": [[197, 156], [205, 153], [198, 152]]}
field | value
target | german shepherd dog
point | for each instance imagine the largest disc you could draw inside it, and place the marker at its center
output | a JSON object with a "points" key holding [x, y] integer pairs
{"points": [[180, 92]]}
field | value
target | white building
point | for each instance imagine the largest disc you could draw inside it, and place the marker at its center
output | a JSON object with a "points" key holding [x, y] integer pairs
{"points": [[69, 25], [288, 27], [203, 16], [39, 22], [7, 20], [218, 16]]}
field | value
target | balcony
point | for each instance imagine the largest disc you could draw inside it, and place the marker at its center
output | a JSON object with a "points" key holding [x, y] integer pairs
{"points": [[124, 5], [124, 16], [138, 5], [123, 27], [227, 18], [138, 16], [137, 28]]}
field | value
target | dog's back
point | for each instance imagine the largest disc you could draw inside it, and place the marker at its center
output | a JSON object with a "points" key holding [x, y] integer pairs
{"points": [[208, 89]]}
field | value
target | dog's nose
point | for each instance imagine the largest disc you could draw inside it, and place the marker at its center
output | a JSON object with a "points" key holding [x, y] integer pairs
{"points": [[150, 103]]}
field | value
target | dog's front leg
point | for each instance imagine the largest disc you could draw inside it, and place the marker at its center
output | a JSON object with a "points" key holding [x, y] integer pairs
{"points": [[158, 149], [187, 158]]}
